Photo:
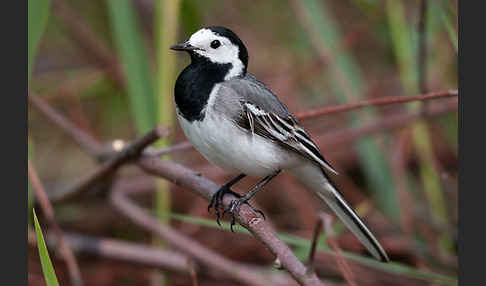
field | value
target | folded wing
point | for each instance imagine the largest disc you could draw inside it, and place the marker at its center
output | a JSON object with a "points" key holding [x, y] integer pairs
{"points": [[283, 130]]}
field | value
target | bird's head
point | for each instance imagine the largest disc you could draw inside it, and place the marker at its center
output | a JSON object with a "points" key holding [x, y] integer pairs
{"points": [[219, 45]]}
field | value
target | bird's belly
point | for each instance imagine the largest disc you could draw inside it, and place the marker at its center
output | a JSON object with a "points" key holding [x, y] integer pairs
{"points": [[224, 144]]}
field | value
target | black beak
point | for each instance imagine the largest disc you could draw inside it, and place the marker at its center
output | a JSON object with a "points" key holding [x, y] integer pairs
{"points": [[183, 47]]}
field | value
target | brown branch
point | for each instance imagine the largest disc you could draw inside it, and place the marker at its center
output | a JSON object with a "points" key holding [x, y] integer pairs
{"points": [[334, 138], [367, 275], [343, 265], [182, 146], [398, 166], [122, 251], [192, 248], [315, 240], [375, 102], [129, 153], [260, 228], [89, 41], [193, 273], [67, 254], [147, 255], [326, 221], [86, 141]]}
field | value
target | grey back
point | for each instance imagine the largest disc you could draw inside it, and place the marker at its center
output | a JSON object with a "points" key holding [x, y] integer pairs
{"points": [[233, 93]]}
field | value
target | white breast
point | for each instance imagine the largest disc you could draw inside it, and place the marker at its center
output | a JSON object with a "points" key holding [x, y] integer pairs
{"points": [[224, 144]]}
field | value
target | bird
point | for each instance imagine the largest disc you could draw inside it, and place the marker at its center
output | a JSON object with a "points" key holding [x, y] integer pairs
{"points": [[237, 123]]}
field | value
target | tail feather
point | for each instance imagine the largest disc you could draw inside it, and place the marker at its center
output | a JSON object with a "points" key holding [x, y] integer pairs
{"points": [[355, 224], [318, 181]]}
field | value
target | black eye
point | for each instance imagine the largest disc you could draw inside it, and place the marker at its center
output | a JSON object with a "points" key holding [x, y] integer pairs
{"points": [[215, 44]]}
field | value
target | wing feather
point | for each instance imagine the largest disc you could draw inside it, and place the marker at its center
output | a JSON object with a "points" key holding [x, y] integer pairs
{"points": [[285, 131]]}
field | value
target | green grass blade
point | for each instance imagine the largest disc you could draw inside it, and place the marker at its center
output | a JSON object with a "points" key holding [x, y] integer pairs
{"points": [[38, 15], [47, 268], [449, 125], [449, 27], [166, 26], [404, 47], [191, 15], [303, 246], [133, 53], [349, 85]]}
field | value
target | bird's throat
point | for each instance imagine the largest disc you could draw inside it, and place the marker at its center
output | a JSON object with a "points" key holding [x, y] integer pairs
{"points": [[194, 85]]}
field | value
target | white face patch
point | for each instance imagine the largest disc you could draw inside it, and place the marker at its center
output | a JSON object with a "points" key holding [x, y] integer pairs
{"points": [[226, 53]]}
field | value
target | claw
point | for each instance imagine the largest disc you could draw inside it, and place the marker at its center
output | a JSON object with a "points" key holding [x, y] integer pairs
{"points": [[233, 208], [232, 222], [217, 202]]}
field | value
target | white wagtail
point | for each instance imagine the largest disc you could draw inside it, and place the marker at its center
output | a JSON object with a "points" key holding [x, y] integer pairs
{"points": [[237, 123]]}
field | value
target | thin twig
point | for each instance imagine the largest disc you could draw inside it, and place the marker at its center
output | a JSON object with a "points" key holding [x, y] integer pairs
{"points": [[399, 160], [368, 275], [315, 240], [375, 102], [182, 146], [193, 273], [87, 142], [348, 135], [343, 265], [129, 153], [66, 252]]}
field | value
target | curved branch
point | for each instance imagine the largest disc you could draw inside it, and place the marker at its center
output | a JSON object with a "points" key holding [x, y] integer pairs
{"points": [[375, 102], [261, 229], [136, 214], [128, 153]]}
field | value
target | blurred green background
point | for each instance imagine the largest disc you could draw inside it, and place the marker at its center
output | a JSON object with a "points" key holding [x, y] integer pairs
{"points": [[107, 67]]}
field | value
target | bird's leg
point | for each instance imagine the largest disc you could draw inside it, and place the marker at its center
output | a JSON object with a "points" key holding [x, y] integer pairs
{"points": [[217, 198], [234, 206]]}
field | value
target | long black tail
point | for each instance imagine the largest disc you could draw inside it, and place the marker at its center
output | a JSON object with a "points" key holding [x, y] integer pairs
{"points": [[317, 180], [349, 217]]}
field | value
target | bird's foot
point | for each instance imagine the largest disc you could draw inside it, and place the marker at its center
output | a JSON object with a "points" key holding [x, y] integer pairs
{"points": [[234, 208], [217, 201]]}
